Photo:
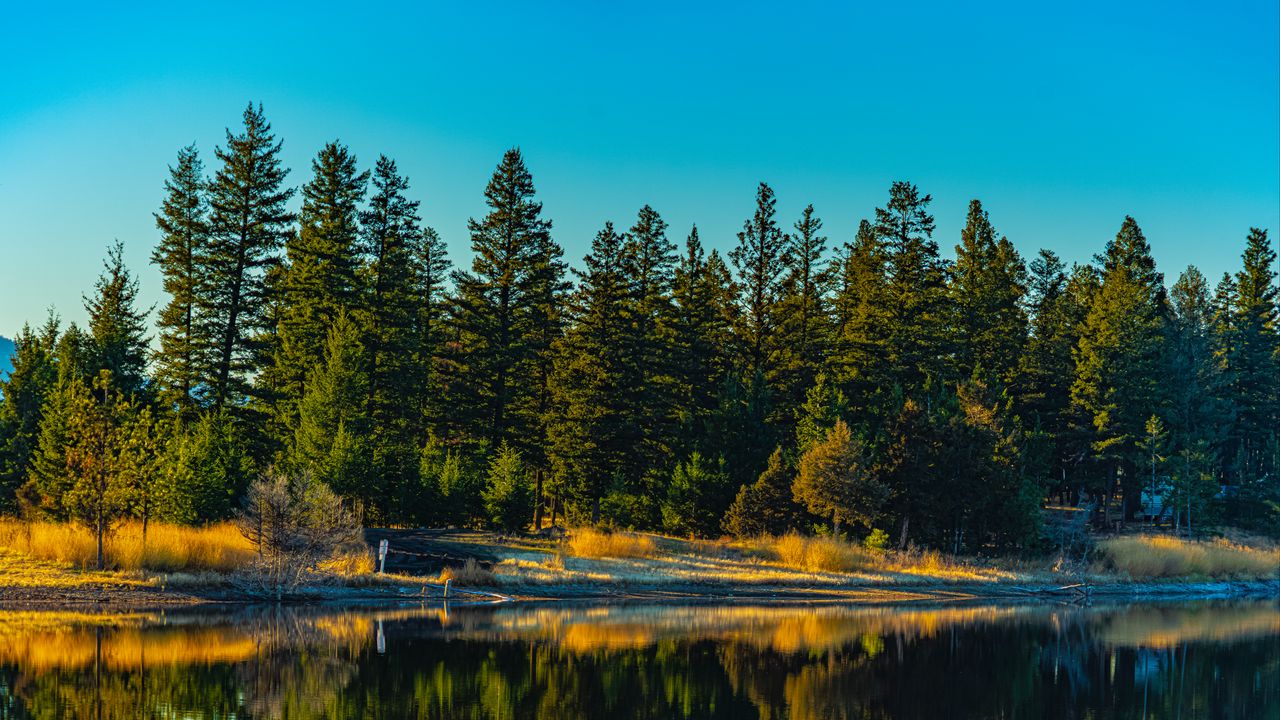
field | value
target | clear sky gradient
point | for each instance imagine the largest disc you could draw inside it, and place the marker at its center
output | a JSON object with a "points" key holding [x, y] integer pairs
{"points": [[1061, 118]]}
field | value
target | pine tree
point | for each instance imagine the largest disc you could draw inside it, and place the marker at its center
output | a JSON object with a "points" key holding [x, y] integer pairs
{"points": [[917, 345], [1198, 417], [1047, 366], [392, 241], [1253, 361], [117, 326], [700, 331], [25, 392], [860, 355], [987, 288], [696, 497], [648, 264], [1118, 363], [494, 303], [835, 481], [508, 499], [333, 439], [803, 318], [760, 261], [764, 506], [318, 281], [183, 223], [590, 433], [433, 273], [248, 224], [100, 457]]}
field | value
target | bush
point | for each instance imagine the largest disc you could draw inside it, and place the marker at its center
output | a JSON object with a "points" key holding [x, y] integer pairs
{"points": [[296, 524], [589, 542], [877, 541]]}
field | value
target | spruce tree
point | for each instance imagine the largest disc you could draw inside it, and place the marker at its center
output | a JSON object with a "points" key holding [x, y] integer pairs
{"points": [[760, 261], [25, 391], [1254, 362], [987, 288], [917, 344], [392, 240], [648, 264], [117, 325], [334, 436], [860, 352], [318, 280], [248, 224], [183, 223], [804, 323], [511, 271], [590, 432], [1118, 363], [700, 330]]}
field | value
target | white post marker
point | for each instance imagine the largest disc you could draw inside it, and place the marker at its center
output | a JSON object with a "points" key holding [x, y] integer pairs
{"points": [[382, 556]]}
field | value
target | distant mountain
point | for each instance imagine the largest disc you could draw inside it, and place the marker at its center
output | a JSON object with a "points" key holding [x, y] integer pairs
{"points": [[6, 352]]}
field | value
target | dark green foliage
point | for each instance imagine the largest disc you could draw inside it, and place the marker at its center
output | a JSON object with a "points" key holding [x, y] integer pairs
{"points": [[945, 401], [804, 323], [117, 326], [508, 497], [863, 318], [696, 497], [988, 283], [764, 506], [1253, 361], [917, 343], [702, 318], [183, 356], [589, 433], [24, 394], [318, 280], [1118, 361], [333, 441], [248, 224], [759, 260]]}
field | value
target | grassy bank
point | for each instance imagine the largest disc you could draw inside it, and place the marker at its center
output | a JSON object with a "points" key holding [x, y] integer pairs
{"points": [[211, 562]]}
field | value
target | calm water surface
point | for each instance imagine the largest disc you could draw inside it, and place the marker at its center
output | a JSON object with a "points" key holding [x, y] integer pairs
{"points": [[1189, 660]]}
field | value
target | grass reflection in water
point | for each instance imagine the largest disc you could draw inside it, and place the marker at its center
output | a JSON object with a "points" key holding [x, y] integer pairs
{"points": [[621, 661]]}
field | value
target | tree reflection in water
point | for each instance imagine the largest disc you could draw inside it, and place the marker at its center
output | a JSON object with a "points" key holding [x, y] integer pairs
{"points": [[632, 661]]}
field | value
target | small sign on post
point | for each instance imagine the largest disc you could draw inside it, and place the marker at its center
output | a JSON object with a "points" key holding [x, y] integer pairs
{"points": [[382, 556]]}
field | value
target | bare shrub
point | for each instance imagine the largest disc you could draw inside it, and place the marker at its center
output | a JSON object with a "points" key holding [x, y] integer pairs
{"points": [[296, 524]]}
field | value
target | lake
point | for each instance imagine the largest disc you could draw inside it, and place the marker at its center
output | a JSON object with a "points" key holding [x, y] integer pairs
{"points": [[1183, 660]]}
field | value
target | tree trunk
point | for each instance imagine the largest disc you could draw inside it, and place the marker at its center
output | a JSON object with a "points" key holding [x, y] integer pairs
{"points": [[595, 511], [835, 526], [537, 501], [99, 533], [902, 534]]}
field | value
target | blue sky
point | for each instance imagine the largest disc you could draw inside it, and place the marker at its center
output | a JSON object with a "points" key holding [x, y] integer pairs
{"points": [[1061, 118]]}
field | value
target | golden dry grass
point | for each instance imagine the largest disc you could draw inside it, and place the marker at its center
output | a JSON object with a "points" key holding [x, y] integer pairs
{"points": [[350, 563], [592, 543], [168, 548], [469, 575], [1158, 556], [817, 554]]}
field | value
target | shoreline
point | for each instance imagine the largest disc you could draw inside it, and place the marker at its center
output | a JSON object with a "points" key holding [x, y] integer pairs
{"points": [[126, 597]]}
